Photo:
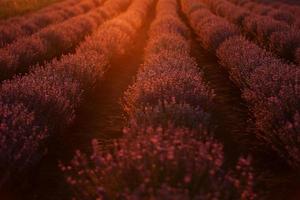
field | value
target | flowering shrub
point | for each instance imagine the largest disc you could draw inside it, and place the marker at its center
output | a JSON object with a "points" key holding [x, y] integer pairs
{"points": [[49, 95], [211, 30], [54, 40], [274, 95], [169, 77], [21, 137], [167, 80], [262, 28], [228, 10], [160, 164], [18, 27], [178, 114], [168, 151], [271, 88], [52, 97], [215, 33], [174, 25], [240, 57], [197, 18], [279, 12], [270, 33], [165, 43]]}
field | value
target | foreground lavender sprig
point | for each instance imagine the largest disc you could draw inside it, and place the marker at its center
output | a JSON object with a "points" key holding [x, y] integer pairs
{"points": [[160, 164]]}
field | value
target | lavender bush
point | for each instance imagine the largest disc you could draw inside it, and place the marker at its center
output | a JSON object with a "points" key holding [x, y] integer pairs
{"points": [[17, 27], [54, 40], [49, 95], [160, 164], [270, 33], [168, 151], [269, 86], [272, 90]]}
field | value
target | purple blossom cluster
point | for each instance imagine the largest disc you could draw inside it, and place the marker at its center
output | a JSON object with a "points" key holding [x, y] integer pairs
{"points": [[224, 8], [169, 78], [42, 103], [272, 32], [20, 139], [278, 12], [295, 9], [241, 64], [26, 25], [168, 151], [150, 163], [54, 40], [271, 89], [216, 30]]}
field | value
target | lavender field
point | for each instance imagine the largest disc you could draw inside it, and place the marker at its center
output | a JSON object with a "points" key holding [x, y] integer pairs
{"points": [[150, 99]]}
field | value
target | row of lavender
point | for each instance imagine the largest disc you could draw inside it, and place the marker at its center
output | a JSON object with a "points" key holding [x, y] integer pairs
{"points": [[269, 86], [17, 27], [278, 11], [53, 41], [41, 104], [58, 6], [293, 6], [276, 36], [168, 151]]}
